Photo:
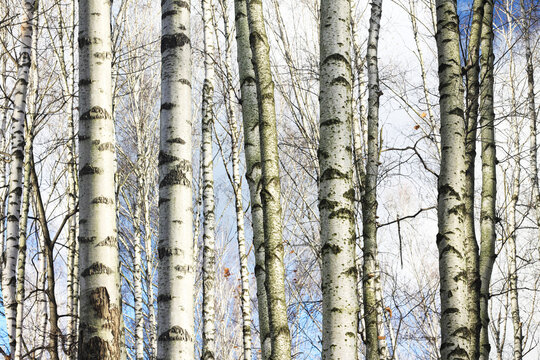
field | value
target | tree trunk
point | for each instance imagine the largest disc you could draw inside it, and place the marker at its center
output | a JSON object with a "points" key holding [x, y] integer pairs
{"points": [[21, 262], [237, 189], [100, 307], [271, 186], [452, 182], [375, 339], [471, 121], [137, 257], [73, 243], [16, 172], [252, 151], [533, 120], [176, 329], [336, 192], [489, 176], [54, 330], [209, 241]]}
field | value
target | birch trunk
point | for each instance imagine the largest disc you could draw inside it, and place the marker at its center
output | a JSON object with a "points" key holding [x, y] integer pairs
{"points": [[42, 297], [336, 192], [54, 330], [271, 186], [101, 314], [512, 230], [73, 243], [375, 339], [252, 151], [149, 259], [452, 182], [489, 176], [237, 189], [137, 257], [512, 254], [176, 329], [21, 262], [471, 120], [533, 122], [16, 172], [209, 241]]}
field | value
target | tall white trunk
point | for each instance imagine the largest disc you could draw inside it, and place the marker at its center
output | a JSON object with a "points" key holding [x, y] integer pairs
{"points": [[373, 306], [176, 333], [16, 171], [209, 241], [271, 185], [100, 306], [21, 263], [73, 244], [451, 187], [336, 192], [237, 189], [137, 259], [252, 152]]}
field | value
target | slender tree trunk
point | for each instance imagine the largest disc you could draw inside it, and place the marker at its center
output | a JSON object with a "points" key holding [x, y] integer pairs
{"points": [[42, 329], [452, 182], [252, 151], [73, 243], [271, 186], [375, 339], [54, 330], [100, 333], [16, 172], [21, 263], [149, 259], [237, 189], [471, 120], [176, 329], [209, 241], [336, 193], [512, 253], [137, 257], [489, 175], [533, 121]]}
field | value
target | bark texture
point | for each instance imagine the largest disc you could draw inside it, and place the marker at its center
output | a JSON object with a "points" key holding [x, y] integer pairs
{"points": [[209, 222], [100, 321], [271, 189], [176, 333], [9, 272], [252, 152], [375, 339], [452, 235], [489, 175], [336, 192]]}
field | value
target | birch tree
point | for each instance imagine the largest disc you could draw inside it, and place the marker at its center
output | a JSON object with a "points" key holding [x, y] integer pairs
{"points": [[451, 209], [336, 193], [375, 339], [209, 241], [100, 305], [236, 183], [489, 175], [271, 186], [176, 333], [16, 171], [252, 152]]}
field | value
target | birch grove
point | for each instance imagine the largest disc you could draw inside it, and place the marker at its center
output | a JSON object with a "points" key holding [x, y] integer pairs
{"points": [[271, 180]]}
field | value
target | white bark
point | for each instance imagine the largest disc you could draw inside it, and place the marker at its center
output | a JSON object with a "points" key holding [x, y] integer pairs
{"points": [[100, 305], [336, 192], [176, 335], [237, 189], [451, 187], [252, 152], [209, 241], [16, 171]]}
